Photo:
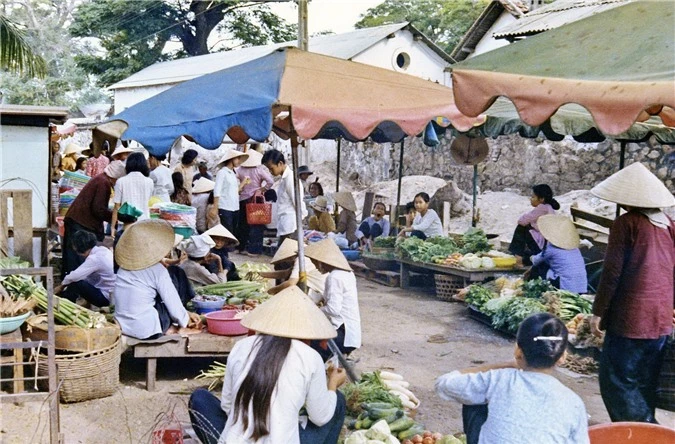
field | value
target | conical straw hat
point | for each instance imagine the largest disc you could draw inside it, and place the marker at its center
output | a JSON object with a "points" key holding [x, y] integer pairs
{"points": [[327, 252], [72, 148], [121, 150], [287, 250], [290, 314], [144, 244], [635, 186], [559, 230], [203, 185], [345, 200], [254, 159], [231, 154], [221, 231]]}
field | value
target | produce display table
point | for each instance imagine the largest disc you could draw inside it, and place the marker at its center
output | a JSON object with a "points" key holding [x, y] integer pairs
{"points": [[200, 345], [469, 276]]}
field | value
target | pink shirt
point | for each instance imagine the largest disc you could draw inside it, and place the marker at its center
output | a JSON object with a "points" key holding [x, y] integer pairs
{"points": [[95, 166], [530, 218], [258, 176]]}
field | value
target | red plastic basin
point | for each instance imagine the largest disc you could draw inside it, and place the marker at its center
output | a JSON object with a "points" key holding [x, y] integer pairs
{"points": [[223, 323], [630, 432]]}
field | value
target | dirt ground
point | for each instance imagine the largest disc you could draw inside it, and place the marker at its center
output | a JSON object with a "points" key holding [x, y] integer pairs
{"points": [[396, 324]]}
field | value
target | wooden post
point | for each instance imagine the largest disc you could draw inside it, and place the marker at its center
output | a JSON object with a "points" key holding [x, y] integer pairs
{"points": [[22, 223], [622, 162], [302, 279], [400, 178], [367, 205]]}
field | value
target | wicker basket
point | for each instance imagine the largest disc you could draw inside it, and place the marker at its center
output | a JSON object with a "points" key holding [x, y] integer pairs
{"points": [[85, 376], [448, 286]]}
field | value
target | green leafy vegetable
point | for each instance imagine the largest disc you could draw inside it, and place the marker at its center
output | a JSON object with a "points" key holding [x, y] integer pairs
{"points": [[385, 242], [475, 241], [565, 304], [478, 296], [536, 288], [417, 250], [509, 316], [370, 389]]}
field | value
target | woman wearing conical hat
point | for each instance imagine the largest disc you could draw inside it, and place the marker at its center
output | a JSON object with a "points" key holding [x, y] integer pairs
{"points": [[271, 376], [70, 155], [634, 300], [340, 296], [560, 254]]}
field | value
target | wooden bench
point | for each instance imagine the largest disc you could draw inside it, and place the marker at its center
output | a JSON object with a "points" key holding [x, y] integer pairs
{"points": [[201, 345]]}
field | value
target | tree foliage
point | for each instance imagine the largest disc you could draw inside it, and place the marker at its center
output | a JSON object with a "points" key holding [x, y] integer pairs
{"points": [[443, 21], [134, 34], [16, 55]]}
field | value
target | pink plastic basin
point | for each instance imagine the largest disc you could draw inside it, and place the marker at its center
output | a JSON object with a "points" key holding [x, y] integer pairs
{"points": [[630, 432], [223, 323]]}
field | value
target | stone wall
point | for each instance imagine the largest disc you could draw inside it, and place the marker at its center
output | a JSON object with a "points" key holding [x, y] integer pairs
{"points": [[514, 163]]}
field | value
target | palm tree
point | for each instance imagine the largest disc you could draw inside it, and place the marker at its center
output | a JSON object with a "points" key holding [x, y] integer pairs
{"points": [[15, 54]]}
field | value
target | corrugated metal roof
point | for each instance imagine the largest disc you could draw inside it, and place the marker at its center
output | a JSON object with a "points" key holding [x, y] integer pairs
{"points": [[344, 46], [555, 15]]}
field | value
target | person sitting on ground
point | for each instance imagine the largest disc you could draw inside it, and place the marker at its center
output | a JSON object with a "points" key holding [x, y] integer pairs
{"points": [[561, 256], [346, 224], [94, 280], [81, 166], [146, 301], [161, 177], [322, 220], [375, 226], [527, 240], [180, 193], [198, 250], [224, 243], [287, 256], [202, 193], [203, 172], [500, 401], [273, 375], [340, 296], [426, 222]]}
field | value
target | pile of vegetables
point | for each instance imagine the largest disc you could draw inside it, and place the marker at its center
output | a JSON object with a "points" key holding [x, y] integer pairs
{"points": [[23, 287], [10, 307], [251, 272], [371, 389], [215, 372], [382, 432], [236, 292], [536, 288], [581, 335], [385, 242], [417, 250], [565, 304], [514, 311], [478, 296], [475, 241]]}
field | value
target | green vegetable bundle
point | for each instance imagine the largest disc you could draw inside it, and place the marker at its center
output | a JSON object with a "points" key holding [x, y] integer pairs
{"points": [[475, 241], [215, 372], [565, 304], [239, 289], [385, 242], [417, 250], [536, 288], [478, 296], [514, 311], [369, 390]]}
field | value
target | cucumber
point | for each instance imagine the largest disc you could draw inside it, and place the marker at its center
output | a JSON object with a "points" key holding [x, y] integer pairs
{"points": [[381, 413], [364, 424], [362, 415], [351, 424], [416, 429], [377, 405], [401, 424], [235, 301], [394, 416]]}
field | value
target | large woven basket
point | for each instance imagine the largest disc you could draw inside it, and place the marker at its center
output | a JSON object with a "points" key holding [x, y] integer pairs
{"points": [[448, 286], [85, 376]]}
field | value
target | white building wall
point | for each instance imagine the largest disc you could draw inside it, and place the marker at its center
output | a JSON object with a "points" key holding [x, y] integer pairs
{"points": [[424, 62], [126, 97], [488, 43]]}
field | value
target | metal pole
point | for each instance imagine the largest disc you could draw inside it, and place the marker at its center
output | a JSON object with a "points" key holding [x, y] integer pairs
{"points": [[475, 195], [302, 278], [622, 162], [337, 178], [400, 180], [303, 34]]}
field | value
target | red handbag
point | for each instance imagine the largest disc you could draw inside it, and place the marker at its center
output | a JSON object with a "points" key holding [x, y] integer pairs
{"points": [[258, 212]]}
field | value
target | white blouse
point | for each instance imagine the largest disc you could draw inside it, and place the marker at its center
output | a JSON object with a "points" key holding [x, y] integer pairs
{"points": [[429, 224], [342, 305], [286, 220], [302, 382], [161, 177], [136, 190]]}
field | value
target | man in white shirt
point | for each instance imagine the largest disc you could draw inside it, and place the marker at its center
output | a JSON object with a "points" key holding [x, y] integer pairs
{"points": [[94, 280], [286, 217], [161, 177]]}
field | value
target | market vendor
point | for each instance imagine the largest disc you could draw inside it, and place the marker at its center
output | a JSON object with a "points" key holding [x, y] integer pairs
{"points": [[346, 224], [289, 276], [425, 223], [198, 250], [303, 174], [94, 280], [520, 401], [186, 168], [202, 197], [224, 243], [161, 177], [227, 189], [88, 212], [203, 169], [70, 156], [121, 153], [340, 296], [560, 255], [146, 301], [527, 240], [634, 300], [374, 226], [322, 220], [271, 376]]}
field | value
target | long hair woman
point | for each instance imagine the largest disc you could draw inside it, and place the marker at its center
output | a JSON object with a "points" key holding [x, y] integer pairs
{"points": [[271, 376], [527, 240]]}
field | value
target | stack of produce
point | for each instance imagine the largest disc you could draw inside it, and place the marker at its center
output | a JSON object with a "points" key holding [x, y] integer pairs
{"points": [[236, 292], [215, 373], [179, 216], [385, 242], [251, 272], [417, 250], [11, 307], [581, 335]]}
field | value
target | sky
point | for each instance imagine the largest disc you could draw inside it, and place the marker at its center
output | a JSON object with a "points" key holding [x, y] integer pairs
{"points": [[327, 15]]}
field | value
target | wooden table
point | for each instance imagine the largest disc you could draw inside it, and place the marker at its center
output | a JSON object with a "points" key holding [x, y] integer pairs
{"points": [[470, 276], [201, 345], [15, 360]]}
